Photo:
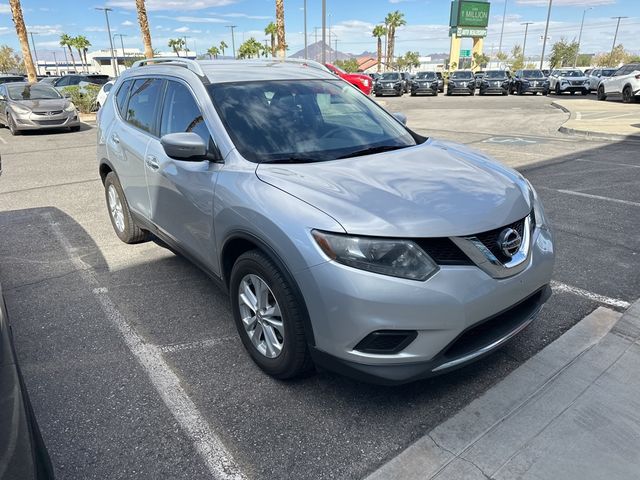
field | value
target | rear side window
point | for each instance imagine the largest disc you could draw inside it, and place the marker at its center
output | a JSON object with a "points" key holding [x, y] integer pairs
{"points": [[122, 95], [181, 113], [143, 103]]}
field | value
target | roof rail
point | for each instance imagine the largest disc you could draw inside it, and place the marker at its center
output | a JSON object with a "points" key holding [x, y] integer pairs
{"points": [[177, 61]]}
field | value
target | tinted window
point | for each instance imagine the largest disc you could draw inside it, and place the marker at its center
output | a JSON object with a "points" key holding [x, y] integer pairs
{"points": [[390, 76], [180, 113], [462, 75], [493, 74], [63, 82], [32, 92], [107, 87], [11, 79], [97, 79], [143, 103], [122, 95], [426, 75]]}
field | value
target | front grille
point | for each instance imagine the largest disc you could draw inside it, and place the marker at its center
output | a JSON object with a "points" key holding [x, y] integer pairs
{"points": [[576, 82], [490, 239], [49, 112], [50, 122], [443, 251]]}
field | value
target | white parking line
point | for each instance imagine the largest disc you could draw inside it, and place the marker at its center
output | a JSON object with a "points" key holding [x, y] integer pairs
{"points": [[595, 197], [211, 342], [3, 140], [614, 302], [214, 454]]}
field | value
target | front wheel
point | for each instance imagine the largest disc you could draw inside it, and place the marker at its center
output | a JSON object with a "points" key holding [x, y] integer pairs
{"points": [[585, 92], [269, 316], [558, 89], [119, 213], [11, 123], [627, 95], [601, 95]]}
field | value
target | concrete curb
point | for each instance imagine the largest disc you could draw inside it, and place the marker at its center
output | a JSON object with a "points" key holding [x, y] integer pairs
{"points": [[499, 434], [591, 134]]}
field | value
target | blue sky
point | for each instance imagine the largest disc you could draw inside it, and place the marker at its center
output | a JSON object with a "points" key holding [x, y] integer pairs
{"points": [[204, 23]]}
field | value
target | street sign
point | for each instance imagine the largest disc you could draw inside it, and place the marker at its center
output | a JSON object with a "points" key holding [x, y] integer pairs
{"points": [[465, 53], [465, 32]]}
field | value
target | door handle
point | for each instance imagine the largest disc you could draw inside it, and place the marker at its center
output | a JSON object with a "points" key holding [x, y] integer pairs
{"points": [[115, 139], [152, 162]]}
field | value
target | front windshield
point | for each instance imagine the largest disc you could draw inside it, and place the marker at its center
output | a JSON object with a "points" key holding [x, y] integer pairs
{"points": [[496, 74], [390, 76], [572, 73], [426, 76], [462, 75], [32, 92], [304, 121], [532, 74]]}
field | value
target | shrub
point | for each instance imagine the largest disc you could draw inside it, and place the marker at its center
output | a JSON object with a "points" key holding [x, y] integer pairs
{"points": [[83, 97]]}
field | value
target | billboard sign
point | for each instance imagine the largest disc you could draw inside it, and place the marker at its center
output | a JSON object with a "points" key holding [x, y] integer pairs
{"points": [[465, 32], [469, 13]]}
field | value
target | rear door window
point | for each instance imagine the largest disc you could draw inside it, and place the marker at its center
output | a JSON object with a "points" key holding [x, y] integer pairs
{"points": [[122, 96], [143, 103]]}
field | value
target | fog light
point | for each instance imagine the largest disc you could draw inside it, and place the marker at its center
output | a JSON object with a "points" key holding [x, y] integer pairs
{"points": [[386, 342]]}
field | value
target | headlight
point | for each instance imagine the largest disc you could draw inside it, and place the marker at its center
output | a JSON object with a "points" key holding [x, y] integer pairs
{"points": [[538, 210], [20, 109], [70, 108], [396, 258]]}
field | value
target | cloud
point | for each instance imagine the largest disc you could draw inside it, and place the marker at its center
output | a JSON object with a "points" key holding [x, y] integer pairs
{"points": [[560, 3], [156, 5], [45, 29], [244, 15], [5, 9], [182, 29], [127, 23], [196, 19]]}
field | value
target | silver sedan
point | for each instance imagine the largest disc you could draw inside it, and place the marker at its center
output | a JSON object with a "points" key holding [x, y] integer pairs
{"points": [[25, 106]]}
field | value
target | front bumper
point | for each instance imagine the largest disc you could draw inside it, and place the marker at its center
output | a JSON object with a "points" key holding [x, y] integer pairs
{"points": [[497, 89], [346, 305], [384, 90], [469, 89], [430, 89], [36, 121], [534, 87], [574, 88]]}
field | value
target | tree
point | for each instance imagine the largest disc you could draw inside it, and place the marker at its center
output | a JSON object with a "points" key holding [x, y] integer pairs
{"points": [[392, 21], [349, 65], [223, 46], [563, 53], [584, 60], [501, 56], [282, 44], [612, 59], [213, 52], [379, 31], [21, 30], [517, 58], [480, 60], [83, 44], [250, 48], [272, 30], [67, 41], [408, 61], [144, 28], [9, 61], [176, 44]]}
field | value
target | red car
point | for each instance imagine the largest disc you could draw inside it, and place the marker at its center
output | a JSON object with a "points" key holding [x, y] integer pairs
{"points": [[363, 82]]}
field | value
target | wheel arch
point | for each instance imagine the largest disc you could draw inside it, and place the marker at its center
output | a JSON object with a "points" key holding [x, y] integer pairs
{"points": [[105, 168]]}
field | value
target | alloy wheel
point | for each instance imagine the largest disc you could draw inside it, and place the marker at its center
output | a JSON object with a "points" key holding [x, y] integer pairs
{"points": [[261, 316], [115, 208]]}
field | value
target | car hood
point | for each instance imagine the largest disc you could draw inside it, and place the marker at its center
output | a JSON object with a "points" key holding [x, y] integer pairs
{"points": [[535, 79], [48, 104], [430, 190], [574, 79]]}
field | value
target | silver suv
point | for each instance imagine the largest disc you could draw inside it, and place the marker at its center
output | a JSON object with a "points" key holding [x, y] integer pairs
{"points": [[343, 238]]}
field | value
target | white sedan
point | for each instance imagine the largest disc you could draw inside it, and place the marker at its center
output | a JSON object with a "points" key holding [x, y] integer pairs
{"points": [[103, 93]]}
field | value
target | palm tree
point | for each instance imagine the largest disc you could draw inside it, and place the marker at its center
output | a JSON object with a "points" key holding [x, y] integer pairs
{"points": [[176, 44], [379, 31], [75, 42], [272, 30], [21, 30], [282, 44], [223, 46], [83, 44], [213, 52], [67, 41], [251, 48], [144, 28], [392, 21]]}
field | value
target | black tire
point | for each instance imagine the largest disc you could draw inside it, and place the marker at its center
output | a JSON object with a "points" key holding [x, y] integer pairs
{"points": [[435, 94], [413, 94], [11, 123], [481, 93], [627, 94], [572, 93], [601, 95], [472, 93], [74, 129], [448, 93], [294, 359], [130, 233], [585, 92], [557, 92], [504, 94]]}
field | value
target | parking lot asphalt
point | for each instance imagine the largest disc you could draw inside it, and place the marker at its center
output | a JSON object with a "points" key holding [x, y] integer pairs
{"points": [[130, 353]]}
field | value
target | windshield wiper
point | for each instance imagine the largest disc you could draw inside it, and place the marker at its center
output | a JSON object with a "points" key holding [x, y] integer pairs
{"points": [[372, 150], [292, 160]]}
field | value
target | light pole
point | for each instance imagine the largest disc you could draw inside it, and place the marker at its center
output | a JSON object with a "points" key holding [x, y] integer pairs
{"points": [[504, 16], [233, 39], [324, 32], [121, 43], [546, 31], [615, 37], [114, 60], [524, 44], [35, 54], [575, 62], [306, 52], [55, 60], [66, 60], [329, 19]]}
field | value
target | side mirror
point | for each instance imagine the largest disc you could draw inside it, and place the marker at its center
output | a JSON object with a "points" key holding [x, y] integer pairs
{"points": [[184, 146], [401, 117]]}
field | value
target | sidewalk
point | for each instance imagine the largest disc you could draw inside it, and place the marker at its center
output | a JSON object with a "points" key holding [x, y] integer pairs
{"points": [[570, 412], [610, 120]]}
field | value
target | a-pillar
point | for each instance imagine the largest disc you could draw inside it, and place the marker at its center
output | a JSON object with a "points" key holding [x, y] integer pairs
{"points": [[454, 52], [478, 44]]}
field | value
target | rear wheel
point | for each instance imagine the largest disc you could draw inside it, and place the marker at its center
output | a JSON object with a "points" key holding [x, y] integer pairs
{"points": [[119, 213], [627, 95], [269, 316], [601, 94]]}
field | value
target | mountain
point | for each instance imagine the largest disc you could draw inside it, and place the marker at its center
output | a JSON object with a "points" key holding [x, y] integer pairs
{"points": [[314, 52]]}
